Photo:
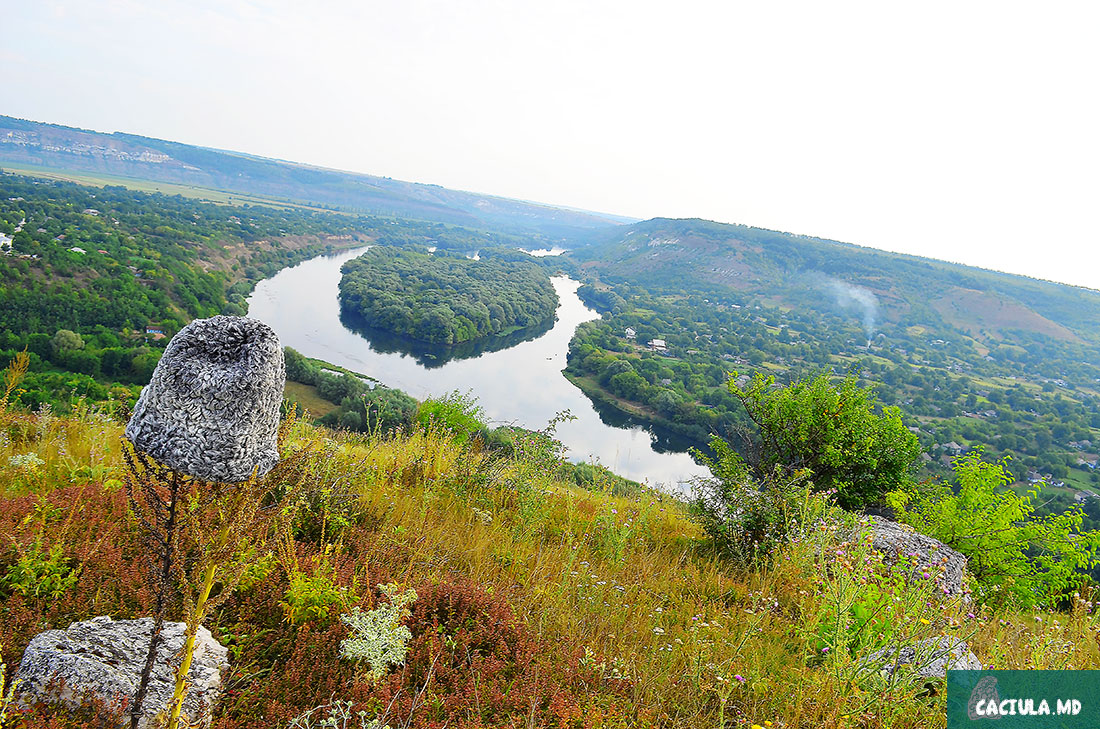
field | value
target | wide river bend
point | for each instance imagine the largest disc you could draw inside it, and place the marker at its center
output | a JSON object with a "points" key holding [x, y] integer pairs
{"points": [[521, 385]]}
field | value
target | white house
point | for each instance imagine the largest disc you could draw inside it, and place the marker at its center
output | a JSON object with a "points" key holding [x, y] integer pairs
{"points": [[658, 345], [631, 333]]}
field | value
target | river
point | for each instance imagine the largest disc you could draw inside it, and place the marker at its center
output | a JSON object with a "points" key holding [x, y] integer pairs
{"points": [[521, 384]]}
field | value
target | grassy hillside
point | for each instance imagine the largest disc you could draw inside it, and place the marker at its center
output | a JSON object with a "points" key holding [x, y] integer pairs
{"points": [[539, 603]]}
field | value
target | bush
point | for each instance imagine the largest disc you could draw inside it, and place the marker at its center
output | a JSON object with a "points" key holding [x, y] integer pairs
{"points": [[41, 573], [455, 411], [1014, 554], [833, 431], [744, 518]]}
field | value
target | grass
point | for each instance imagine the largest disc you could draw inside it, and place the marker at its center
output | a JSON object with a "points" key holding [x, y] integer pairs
{"points": [[209, 194], [308, 397], [541, 603]]}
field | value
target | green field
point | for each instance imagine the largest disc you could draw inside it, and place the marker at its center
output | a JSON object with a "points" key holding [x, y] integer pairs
{"points": [[167, 188]]}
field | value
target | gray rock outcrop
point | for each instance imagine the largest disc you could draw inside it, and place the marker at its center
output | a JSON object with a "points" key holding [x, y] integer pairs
{"points": [[103, 658], [211, 409], [930, 658], [926, 555]]}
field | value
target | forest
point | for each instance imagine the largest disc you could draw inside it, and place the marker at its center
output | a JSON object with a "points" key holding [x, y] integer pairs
{"points": [[97, 280], [443, 298]]}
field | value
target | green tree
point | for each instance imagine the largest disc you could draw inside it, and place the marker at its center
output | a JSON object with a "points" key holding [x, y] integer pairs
{"points": [[66, 340], [1015, 554], [833, 430]]}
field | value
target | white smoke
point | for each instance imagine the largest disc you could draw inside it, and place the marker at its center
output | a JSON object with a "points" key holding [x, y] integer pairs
{"points": [[849, 296]]}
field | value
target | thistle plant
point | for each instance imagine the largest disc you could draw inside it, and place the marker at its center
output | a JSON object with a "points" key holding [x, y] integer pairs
{"points": [[378, 637]]}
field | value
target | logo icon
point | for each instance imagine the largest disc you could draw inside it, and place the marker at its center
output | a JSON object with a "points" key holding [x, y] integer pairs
{"points": [[987, 690]]}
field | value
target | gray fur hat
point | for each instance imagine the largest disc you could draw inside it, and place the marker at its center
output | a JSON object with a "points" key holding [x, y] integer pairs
{"points": [[211, 409]]}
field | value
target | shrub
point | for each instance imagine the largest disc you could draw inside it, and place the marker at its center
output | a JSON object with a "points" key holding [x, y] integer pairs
{"points": [[312, 598], [41, 573], [747, 519], [455, 411], [480, 660], [833, 431], [1013, 553]]}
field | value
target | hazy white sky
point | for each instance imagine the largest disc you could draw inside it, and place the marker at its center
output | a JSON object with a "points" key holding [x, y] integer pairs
{"points": [[968, 131]]}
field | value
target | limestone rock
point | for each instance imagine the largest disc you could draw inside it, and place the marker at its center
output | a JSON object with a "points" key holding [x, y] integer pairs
{"points": [[930, 658], [211, 409], [104, 657], [926, 554]]}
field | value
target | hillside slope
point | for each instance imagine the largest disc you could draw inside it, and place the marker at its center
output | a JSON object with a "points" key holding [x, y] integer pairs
{"points": [[47, 145], [974, 357], [538, 604], [782, 266]]}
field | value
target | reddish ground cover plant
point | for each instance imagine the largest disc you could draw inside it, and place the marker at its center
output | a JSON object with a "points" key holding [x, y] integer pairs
{"points": [[473, 662]]}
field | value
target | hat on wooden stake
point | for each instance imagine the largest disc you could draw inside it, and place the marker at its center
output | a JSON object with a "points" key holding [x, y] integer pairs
{"points": [[211, 409]]}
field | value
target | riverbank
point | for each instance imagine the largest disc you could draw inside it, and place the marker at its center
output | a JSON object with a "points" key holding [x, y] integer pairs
{"points": [[592, 389], [519, 385]]}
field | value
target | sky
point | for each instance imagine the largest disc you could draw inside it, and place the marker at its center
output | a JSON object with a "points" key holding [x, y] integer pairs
{"points": [[966, 131]]}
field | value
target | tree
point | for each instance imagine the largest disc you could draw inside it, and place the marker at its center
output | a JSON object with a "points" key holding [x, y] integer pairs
{"points": [[831, 429], [1015, 554], [66, 340]]}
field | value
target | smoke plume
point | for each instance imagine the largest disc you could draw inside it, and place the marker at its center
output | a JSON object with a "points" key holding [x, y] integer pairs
{"points": [[850, 296]]}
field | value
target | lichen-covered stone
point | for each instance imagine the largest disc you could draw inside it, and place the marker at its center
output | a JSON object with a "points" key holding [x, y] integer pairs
{"points": [[103, 658], [211, 409], [926, 555], [930, 658]]}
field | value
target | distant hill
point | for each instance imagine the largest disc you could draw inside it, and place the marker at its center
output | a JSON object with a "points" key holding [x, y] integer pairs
{"points": [[66, 148], [792, 270]]}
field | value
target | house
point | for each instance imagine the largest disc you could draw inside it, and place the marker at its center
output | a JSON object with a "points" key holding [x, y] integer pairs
{"points": [[91, 211], [1088, 461], [631, 333], [658, 345], [155, 332], [78, 249]]}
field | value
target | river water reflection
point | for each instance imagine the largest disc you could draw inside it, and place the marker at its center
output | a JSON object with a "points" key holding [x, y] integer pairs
{"points": [[521, 384]]}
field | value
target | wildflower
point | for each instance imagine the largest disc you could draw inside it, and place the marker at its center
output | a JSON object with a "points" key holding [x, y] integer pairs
{"points": [[659, 631], [739, 678], [924, 621]]}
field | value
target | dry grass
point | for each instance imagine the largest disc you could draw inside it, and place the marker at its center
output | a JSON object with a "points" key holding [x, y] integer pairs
{"points": [[634, 617]]}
